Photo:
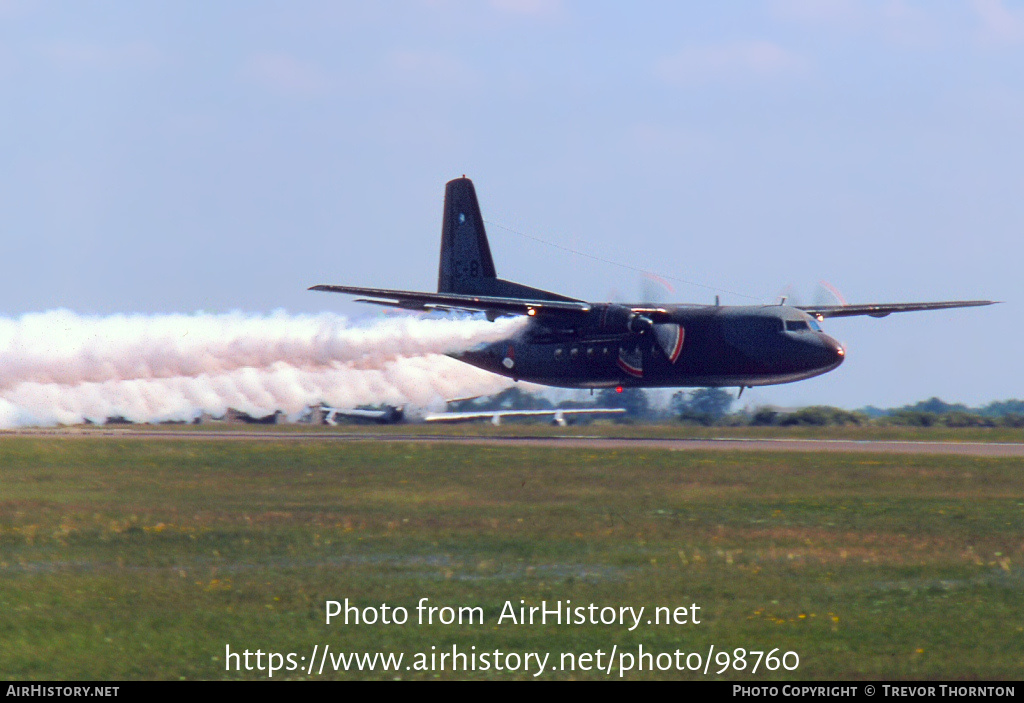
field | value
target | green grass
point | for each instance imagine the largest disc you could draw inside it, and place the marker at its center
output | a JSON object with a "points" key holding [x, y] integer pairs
{"points": [[123, 559]]}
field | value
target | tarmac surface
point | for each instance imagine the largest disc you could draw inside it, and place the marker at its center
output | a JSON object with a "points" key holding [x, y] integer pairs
{"points": [[994, 449]]}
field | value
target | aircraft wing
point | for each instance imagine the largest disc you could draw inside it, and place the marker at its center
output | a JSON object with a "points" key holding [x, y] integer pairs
{"points": [[412, 300], [495, 415], [883, 309]]}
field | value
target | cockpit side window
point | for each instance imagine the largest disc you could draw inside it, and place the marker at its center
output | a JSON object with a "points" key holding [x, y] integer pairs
{"points": [[797, 326]]}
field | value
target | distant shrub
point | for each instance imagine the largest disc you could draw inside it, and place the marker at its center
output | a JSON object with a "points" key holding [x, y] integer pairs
{"points": [[962, 419], [692, 417], [734, 420], [1002, 408], [821, 416], [764, 417], [914, 418], [1012, 420], [935, 406], [703, 406]]}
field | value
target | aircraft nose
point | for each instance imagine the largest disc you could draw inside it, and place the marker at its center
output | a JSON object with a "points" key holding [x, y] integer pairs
{"points": [[837, 351], [823, 352]]}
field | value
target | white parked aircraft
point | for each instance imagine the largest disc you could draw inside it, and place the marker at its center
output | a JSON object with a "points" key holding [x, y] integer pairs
{"points": [[558, 415]]}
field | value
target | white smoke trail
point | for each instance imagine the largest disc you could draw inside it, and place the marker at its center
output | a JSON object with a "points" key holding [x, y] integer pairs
{"points": [[63, 368]]}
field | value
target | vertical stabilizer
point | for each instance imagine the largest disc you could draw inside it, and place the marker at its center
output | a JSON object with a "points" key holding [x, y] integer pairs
{"points": [[466, 263]]}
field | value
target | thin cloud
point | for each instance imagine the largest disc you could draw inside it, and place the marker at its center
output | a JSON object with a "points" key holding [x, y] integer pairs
{"points": [[818, 11], [100, 56], [999, 24], [653, 138], [428, 68], [529, 8], [14, 8], [898, 22], [727, 62], [286, 75]]}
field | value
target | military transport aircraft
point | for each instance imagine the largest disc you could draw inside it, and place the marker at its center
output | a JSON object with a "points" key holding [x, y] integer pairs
{"points": [[575, 344]]}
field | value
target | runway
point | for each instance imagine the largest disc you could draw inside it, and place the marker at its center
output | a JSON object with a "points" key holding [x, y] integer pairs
{"points": [[991, 449]]}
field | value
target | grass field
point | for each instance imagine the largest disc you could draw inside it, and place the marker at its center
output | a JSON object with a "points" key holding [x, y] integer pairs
{"points": [[606, 428], [126, 559]]}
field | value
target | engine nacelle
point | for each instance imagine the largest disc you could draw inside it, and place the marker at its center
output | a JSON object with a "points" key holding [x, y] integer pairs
{"points": [[622, 320], [638, 324]]}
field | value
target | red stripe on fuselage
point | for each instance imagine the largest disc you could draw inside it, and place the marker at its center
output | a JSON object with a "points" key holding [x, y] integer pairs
{"points": [[677, 350], [632, 371]]}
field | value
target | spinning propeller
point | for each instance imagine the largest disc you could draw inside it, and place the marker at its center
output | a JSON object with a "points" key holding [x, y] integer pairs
{"points": [[667, 336]]}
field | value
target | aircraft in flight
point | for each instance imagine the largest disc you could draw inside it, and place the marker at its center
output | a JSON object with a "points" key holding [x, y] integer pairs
{"points": [[577, 344]]}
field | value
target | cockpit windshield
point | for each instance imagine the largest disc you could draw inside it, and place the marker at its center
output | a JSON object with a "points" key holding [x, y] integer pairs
{"points": [[802, 325]]}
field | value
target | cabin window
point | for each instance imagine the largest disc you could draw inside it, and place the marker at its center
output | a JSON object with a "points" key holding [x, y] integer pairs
{"points": [[573, 352], [558, 353]]}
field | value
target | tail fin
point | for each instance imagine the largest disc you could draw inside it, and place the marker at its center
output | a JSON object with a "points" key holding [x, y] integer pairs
{"points": [[466, 265]]}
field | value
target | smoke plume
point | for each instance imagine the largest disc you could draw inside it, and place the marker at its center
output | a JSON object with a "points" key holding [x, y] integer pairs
{"points": [[60, 367]]}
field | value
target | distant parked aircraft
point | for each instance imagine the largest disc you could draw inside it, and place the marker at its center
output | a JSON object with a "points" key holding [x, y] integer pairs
{"points": [[389, 415], [558, 417]]}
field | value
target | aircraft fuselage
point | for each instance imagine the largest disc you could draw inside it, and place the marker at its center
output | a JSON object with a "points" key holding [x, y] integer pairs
{"points": [[718, 346]]}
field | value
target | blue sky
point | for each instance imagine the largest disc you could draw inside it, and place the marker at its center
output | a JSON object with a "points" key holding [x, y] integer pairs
{"points": [[178, 156]]}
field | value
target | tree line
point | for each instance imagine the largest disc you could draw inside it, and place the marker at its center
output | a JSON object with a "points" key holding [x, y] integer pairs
{"points": [[714, 406]]}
